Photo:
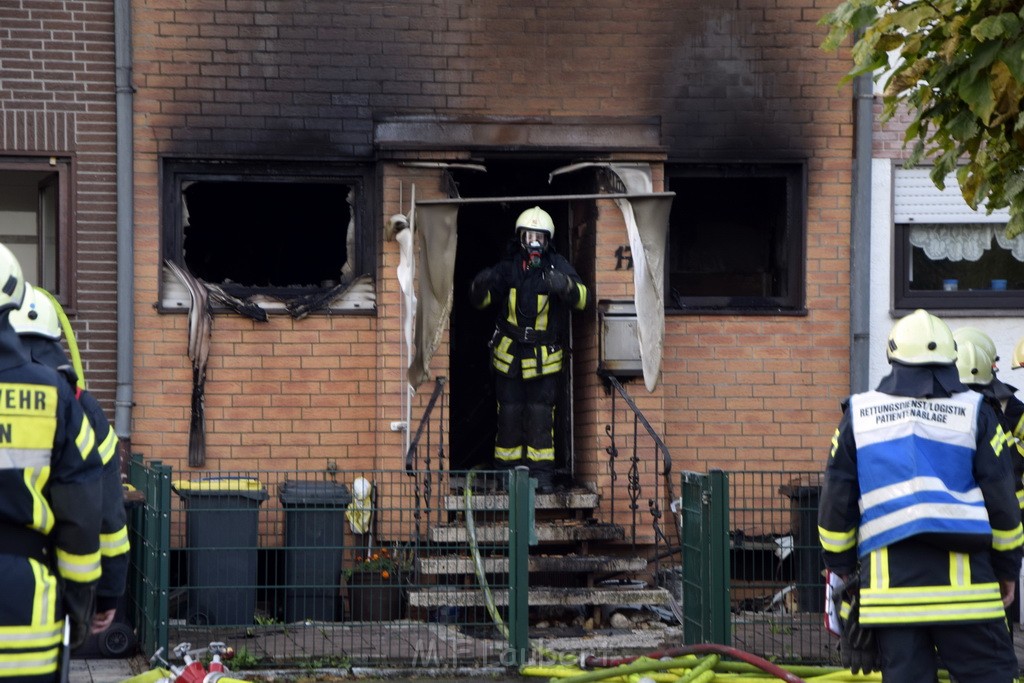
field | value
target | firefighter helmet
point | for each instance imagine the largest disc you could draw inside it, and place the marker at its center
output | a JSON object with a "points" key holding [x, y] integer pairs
{"points": [[36, 315], [973, 363], [921, 339], [12, 281], [1018, 355], [536, 219], [978, 338]]}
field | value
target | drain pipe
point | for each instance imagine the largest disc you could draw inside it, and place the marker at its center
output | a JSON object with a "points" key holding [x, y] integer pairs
{"points": [[125, 214], [860, 234]]}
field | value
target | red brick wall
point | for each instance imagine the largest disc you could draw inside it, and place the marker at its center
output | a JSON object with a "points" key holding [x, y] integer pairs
{"points": [[726, 80], [57, 98]]}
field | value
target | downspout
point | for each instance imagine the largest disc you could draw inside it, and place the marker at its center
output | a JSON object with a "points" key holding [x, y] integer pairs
{"points": [[125, 212], [860, 234]]}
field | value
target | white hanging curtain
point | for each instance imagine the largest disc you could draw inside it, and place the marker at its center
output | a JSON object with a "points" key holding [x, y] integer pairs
{"points": [[647, 229], [437, 236], [963, 242]]}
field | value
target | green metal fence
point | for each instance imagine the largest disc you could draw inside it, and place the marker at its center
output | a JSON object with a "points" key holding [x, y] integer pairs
{"points": [[775, 567], [703, 514], [279, 566]]}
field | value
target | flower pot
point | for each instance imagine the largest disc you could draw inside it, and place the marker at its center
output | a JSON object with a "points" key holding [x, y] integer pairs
{"points": [[372, 597]]}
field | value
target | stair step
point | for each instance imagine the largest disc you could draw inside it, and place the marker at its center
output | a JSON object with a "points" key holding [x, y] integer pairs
{"points": [[563, 531], [456, 564], [450, 596], [575, 499]]}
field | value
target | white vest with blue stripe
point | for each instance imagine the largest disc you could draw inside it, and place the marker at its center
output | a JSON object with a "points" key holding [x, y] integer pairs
{"points": [[915, 466]]}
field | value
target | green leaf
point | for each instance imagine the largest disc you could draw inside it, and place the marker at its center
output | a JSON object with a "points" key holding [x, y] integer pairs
{"points": [[976, 93], [1012, 56], [998, 26]]}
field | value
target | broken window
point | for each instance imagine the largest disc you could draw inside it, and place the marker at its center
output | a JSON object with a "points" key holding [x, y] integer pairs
{"points": [[736, 237], [266, 234], [34, 219]]}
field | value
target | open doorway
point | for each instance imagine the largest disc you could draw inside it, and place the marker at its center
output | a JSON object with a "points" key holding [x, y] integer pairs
{"points": [[485, 234]]}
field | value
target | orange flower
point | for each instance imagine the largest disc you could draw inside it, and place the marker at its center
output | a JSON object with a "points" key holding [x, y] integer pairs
{"points": [[359, 558], [384, 552], [385, 574], [375, 557]]}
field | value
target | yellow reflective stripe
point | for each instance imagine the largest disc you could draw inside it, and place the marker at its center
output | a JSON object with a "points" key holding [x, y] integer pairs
{"points": [[510, 315], [540, 454], [35, 481], [80, 568], [513, 453], [112, 545], [541, 323], [1018, 429], [29, 663], [1008, 540], [86, 439], [959, 569], [108, 448], [835, 444], [913, 595], [582, 303], [998, 440], [551, 361], [903, 614], [836, 541], [486, 302], [44, 601], [501, 350], [1020, 498], [503, 367], [25, 637], [880, 568]]}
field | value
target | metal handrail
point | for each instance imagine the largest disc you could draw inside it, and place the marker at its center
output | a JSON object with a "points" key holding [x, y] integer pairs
{"points": [[413, 452], [633, 484]]}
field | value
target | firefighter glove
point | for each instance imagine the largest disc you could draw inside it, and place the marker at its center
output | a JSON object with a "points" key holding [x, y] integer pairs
{"points": [[483, 281], [858, 648], [79, 602], [558, 282]]}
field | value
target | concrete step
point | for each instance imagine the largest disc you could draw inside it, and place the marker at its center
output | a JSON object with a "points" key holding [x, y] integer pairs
{"points": [[560, 531], [451, 596], [574, 499], [578, 564]]}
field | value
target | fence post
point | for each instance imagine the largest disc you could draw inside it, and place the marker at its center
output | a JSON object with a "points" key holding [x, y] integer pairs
{"points": [[520, 529], [153, 557], [720, 626]]}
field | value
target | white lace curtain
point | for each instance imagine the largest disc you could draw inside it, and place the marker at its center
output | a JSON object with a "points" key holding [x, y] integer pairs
{"points": [[964, 242]]}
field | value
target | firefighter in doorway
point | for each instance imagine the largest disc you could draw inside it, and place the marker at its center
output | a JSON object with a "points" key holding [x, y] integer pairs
{"points": [[917, 507], [50, 506], [535, 288]]}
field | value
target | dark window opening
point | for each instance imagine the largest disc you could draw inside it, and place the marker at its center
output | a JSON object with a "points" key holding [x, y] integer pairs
{"points": [[280, 231], [736, 237], [267, 234]]}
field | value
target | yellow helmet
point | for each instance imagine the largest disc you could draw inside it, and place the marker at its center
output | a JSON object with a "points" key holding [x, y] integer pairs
{"points": [[1018, 355], [973, 364], [536, 219], [36, 315], [978, 338], [12, 281], [921, 339]]}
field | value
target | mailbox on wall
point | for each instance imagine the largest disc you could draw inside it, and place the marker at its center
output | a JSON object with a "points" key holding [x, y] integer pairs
{"points": [[619, 343]]}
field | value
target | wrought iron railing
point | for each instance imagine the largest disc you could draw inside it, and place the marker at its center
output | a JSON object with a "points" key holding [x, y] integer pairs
{"points": [[638, 443], [427, 474]]}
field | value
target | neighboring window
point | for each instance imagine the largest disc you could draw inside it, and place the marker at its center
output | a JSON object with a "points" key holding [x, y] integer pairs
{"points": [[736, 237], [35, 219], [282, 232], [948, 255]]}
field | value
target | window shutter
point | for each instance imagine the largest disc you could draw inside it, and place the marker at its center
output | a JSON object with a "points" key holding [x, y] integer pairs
{"points": [[917, 200]]}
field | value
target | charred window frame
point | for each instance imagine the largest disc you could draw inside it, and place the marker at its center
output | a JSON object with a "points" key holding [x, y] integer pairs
{"points": [[737, 238], [267, 230], [35, 220]]}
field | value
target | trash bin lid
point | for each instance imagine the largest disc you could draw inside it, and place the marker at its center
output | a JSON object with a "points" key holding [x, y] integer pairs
{"points": [[319, 493], [221, 486]]}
